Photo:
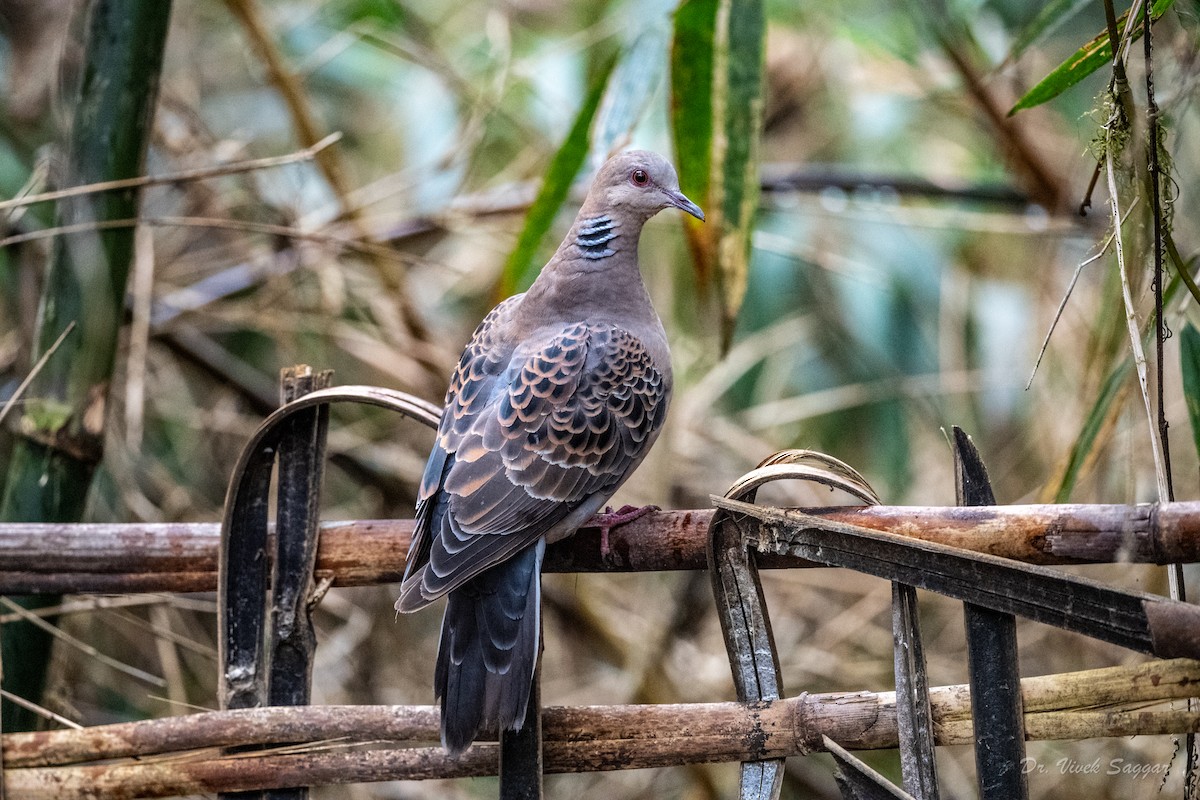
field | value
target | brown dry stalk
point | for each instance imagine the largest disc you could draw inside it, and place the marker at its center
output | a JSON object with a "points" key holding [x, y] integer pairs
{"points": [[1116, 701], [1040, 177], [182, 557]]}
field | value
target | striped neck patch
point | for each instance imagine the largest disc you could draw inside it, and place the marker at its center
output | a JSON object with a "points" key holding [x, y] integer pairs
{"points": [[594, 236]]}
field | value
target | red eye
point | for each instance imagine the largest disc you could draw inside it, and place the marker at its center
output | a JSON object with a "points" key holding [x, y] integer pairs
{"points": [[639, 177]]}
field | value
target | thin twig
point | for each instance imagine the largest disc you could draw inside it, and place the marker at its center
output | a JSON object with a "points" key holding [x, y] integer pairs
{"points": [[819, 178], [1118, 85], [200, 173], [162, 631], [1135, 337], [244, 226], [39, 710], [1175, 576], [1067, 296], [168, 657], [1041, 179], [141, 289], [84, 647], [1114, 40], [37, 178], [1160, 333], [796, 408], [289, 86], [87, 605], [1086, 202], [427, 57], [41, 362]]}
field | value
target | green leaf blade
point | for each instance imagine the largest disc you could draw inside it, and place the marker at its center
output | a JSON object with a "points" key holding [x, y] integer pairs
{"points": [[520, 269], [1099, 416], [742, 103], [716, 104], [632, 86], [691, 94], [1083, 62], [1189, 358]]}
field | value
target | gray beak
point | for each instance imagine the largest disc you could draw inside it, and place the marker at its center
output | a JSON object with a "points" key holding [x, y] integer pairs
{"points": [[678, 200]]}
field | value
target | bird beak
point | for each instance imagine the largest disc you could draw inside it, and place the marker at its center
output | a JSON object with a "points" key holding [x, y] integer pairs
{"points": [[678, 200]]}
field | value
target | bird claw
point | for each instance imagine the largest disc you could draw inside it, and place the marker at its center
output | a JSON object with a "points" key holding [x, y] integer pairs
{"points": [[609, 519]]}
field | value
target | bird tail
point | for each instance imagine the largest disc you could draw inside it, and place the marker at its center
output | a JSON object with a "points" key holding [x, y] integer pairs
{"points": [[490, 638]]}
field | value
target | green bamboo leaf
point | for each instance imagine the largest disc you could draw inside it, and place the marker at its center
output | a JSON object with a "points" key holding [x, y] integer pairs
{"points": [[1189, 357], [521, 269], [1095, 422], [631, 88], [716, 104], [1159, 7], [736, 154], [1083, 62], [691, 98]]}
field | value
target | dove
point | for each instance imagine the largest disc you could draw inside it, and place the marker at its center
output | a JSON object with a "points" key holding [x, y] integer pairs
{"points": [[556, 400]]}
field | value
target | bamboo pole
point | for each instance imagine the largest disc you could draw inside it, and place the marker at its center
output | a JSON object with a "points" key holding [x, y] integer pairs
{"points": [[61, 427], [179, 755], [182, 557]]}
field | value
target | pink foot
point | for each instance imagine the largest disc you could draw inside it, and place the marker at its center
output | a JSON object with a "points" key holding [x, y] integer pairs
{"points": [[610, 519]]}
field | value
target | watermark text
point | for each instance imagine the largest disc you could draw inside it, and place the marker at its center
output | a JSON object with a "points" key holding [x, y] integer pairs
{"points": [[1113, 766]]}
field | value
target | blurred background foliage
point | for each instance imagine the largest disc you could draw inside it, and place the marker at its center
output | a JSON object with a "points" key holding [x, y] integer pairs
{"points": [[911, 246]]}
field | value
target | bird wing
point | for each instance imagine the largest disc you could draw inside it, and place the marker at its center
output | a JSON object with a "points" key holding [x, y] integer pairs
{"points": [[529, 434]]}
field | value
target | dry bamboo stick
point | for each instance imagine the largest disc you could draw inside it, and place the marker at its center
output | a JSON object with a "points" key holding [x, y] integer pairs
{"points": [[179, 557], [183, 176], [173, 753]]}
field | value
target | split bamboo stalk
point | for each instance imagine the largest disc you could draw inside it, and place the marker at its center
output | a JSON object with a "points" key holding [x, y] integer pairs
{"points": [[182, 557]]}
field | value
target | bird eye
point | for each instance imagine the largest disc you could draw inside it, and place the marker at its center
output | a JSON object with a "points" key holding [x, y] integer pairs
{"points": [[639, 177]]}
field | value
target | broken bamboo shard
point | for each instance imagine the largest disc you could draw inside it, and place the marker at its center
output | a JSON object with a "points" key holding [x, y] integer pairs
{"points": [[857, 780], [1143, 622], [992, 660]]}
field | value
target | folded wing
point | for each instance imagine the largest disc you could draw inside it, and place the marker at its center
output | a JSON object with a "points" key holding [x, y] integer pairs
{"points": [[530, 434]]}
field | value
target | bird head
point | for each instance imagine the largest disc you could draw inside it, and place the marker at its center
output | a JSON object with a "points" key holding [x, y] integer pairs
{"points": [[643, 183]]}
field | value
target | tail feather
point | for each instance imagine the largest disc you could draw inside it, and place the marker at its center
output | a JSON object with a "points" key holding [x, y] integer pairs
{"points": [[489, 646]]}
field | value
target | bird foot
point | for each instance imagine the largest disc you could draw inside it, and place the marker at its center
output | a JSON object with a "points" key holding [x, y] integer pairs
{"points": [[610, 519]]}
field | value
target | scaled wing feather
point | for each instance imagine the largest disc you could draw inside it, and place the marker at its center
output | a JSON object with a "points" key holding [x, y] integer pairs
{"points": [[530, 433]]}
